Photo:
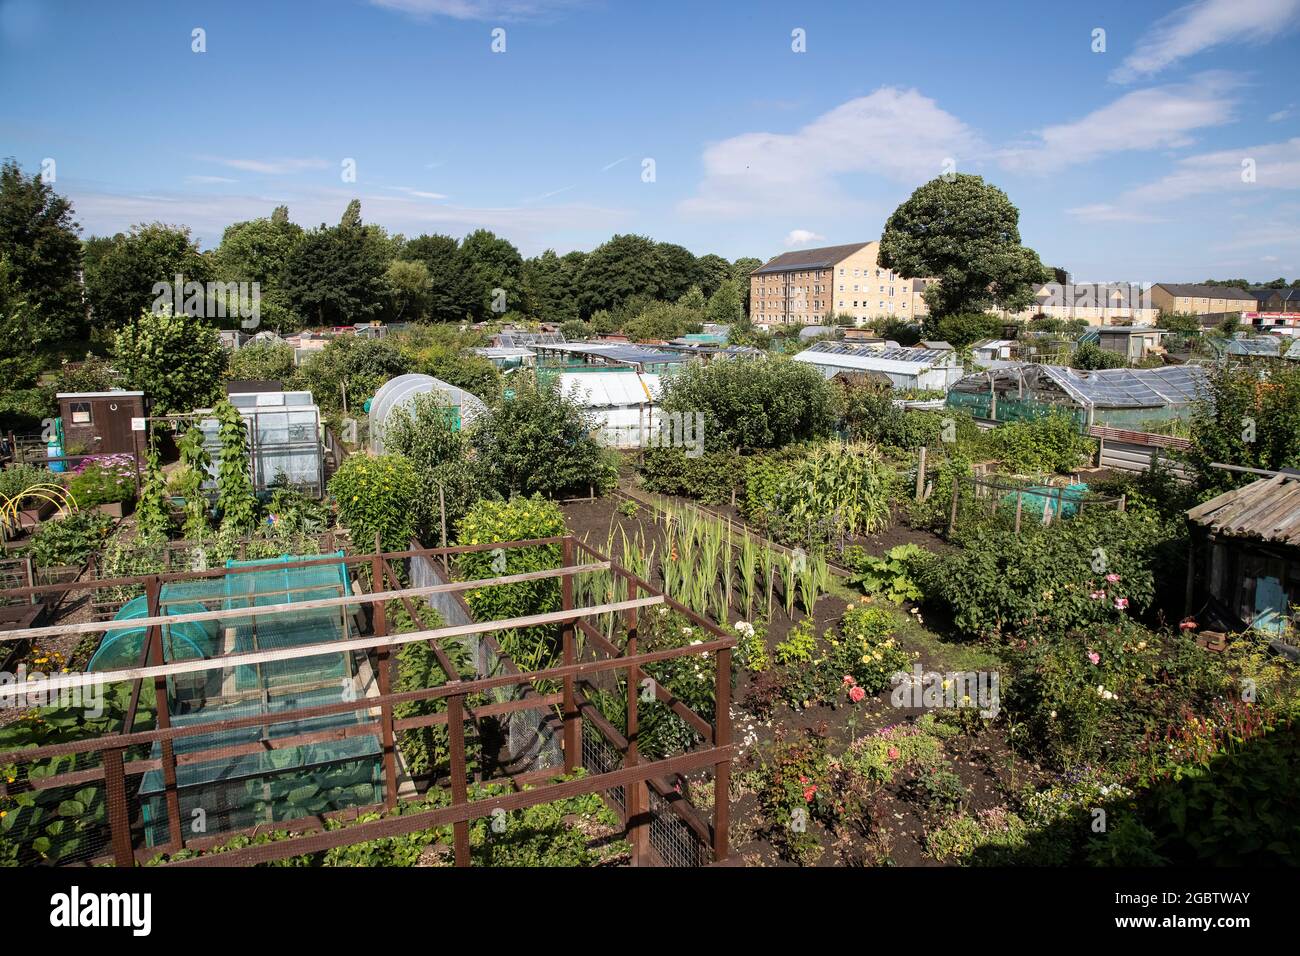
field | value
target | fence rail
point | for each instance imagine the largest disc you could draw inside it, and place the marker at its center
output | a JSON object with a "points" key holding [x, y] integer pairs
{"points": [[120, 766]]}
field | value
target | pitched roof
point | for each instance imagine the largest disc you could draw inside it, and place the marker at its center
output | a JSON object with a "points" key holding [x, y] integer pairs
{"points": [[1268, 509], [1191, 290], [822, 258]]}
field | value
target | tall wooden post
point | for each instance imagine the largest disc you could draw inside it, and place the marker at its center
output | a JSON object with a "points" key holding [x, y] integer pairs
{"points": [[152, 590], [572, 719], [119, 814], [459, 784], [722, 769], [636, 795], [384, 678], [920, 473], [952, 512]]}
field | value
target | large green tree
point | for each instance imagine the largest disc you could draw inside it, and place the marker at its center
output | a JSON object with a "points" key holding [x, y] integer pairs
{"points": [[336, 276], [616, 271], [175, 359], [41, 252], [740, 270], [725, 306], [494, 264], [256, 250], [451, 290], [121, 280], [551, 287], [965, 233]]}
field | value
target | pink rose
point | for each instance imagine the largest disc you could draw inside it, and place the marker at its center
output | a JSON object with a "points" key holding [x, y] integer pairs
{"points": [[856, 694], [809, 793], [1094, 657], [893, 753]]}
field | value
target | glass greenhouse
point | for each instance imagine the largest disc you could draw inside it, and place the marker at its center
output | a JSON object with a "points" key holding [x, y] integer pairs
{"points": [[1116, 397]]}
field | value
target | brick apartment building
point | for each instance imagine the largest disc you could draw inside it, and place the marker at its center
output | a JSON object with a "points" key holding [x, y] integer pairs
{"points": [[810, 285], [1200, 299]]}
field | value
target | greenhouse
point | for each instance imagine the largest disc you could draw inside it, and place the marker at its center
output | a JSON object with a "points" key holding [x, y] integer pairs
{"points": [[1117, 397], [258, 786], [906, 368], [284, 439], [399, 392]]}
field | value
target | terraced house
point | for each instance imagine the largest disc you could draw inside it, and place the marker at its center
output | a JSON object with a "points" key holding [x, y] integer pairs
{"points": [[808, 285], [1200, 299]]}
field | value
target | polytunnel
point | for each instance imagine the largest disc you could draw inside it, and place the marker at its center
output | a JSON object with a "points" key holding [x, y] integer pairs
{"points": [[399, 392]]}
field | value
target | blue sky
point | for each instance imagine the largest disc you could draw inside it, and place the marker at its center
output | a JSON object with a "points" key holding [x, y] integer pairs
{"points": [[1126, 164]]}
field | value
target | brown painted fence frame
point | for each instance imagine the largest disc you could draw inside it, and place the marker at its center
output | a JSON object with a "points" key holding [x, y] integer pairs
{"points": [[635, 776]]}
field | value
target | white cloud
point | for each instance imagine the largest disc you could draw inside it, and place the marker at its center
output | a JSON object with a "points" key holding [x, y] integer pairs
{"points": [[269, 167], [1281, 114], [418, 193], [1276, 166], [479, 9], [1202, 25], [1105, 212], [533, 229], [209, 180], [1156, 118], [899, 135], [801, 237]]}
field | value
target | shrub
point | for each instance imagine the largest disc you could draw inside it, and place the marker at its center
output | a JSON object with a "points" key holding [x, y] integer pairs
{"points": [[866, 650], [374, 495], [362, 364], [1086, 570], [712, 477], [262, 360], [539, 442], [519, 519], [753, 403], [1051, 443], [1103, 690], [424, 432]]}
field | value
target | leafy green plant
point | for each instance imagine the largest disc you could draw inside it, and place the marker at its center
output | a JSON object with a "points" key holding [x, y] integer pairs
{"points": [[374, 495], [889, 576], [235, 497], [69, 540], [151, 516], [103, 480]]}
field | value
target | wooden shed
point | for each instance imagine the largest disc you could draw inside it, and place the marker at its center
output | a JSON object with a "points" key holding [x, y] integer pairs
{"points": [[100, 423], [1246, 552]]}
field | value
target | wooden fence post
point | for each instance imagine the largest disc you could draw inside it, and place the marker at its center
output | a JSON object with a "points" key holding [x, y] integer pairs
{"points": [[119, 816], [920, 474], [384, 678], [636, 795], [459, 786], [952, 513], [572, 719], [153, 591], [722, 769]]}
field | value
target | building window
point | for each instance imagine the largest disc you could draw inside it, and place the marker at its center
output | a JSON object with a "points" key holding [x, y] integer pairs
{"points": [[841, 303], [891, 290], [841, 271], [80, 413]]}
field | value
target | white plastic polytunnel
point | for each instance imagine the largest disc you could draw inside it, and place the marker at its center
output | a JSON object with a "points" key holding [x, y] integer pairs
{"points": [[399, 392]]}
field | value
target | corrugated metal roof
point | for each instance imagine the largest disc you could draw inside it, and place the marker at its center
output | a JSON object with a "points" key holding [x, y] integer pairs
{"points": [[611, 389], [1268, 509]]}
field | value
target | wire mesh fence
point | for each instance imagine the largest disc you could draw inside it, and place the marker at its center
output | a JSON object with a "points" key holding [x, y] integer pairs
{"points": [[226, 716]]}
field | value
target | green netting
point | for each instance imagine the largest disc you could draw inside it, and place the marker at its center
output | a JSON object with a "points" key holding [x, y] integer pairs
{"points": [[241, 790], [1034, 498], [248, 789], [1012, 409]]}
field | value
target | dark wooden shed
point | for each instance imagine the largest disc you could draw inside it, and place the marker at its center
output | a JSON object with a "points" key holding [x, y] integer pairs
{"points": [[100, 423]]}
